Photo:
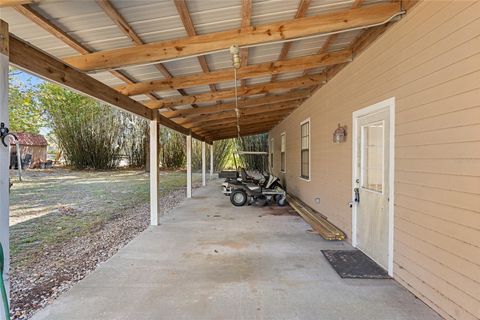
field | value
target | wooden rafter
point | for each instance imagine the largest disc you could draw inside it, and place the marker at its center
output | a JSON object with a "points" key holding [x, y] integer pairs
{"points": [[258, 70], [182, 9], [301, 82], [42, 22], [229, 126], [226, 130], [331, 38], [224, 134], [258, 131], [358, 45], [249, 120], [191, 122], [256, 102], [221, 130], [301, 11], [29, 58], [123, 25], [219, 134], [12, 3], [201, 44], [118, 19], [246, 21]]}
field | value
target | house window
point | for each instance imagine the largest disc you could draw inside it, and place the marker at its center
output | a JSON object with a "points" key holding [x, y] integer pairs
{"points": [[271, 154], [282, 152], [305, 149]]}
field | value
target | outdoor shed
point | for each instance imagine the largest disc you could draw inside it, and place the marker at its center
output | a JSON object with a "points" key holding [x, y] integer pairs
{"points": [[33, 148]]}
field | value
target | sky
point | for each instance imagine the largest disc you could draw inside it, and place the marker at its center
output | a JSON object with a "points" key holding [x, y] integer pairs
{"points": [[27, 78]]}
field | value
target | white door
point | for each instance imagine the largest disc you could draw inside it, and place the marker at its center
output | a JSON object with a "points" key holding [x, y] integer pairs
{"points": [[372, 184]]}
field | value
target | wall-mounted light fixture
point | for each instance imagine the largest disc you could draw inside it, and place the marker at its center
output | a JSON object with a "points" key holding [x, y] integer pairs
{"points": [[340, 134]]}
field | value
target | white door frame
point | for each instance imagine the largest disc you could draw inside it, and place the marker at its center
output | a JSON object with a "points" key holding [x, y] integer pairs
{"points": [[388, 104]]}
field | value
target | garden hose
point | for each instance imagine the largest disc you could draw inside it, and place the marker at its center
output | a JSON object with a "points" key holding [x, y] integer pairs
{"points": [[3, 291]]}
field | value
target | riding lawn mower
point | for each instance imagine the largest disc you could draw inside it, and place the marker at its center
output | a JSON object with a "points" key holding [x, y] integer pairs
{"points": [[244, 189]]}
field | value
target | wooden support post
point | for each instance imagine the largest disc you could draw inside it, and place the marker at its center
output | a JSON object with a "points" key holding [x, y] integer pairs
{"points": [[189, 166], [204, 165], [4, 161], [211, 161], [154, 170]]}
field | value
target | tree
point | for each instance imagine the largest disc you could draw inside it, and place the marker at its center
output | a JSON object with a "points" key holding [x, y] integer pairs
{"points": [[222, 154], [26, 115], [172, 146], [257, 142], [91, 135], [135, 140]]}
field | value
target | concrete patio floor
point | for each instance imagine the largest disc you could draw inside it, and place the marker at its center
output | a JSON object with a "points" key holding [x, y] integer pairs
{"points": [[210, 260]]}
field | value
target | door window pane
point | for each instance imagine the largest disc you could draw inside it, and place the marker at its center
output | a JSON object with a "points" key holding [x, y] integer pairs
{"points": [[372, 156]]}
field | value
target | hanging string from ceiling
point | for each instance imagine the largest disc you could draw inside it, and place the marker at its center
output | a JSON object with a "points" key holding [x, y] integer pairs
{"points": [[235, 52]]}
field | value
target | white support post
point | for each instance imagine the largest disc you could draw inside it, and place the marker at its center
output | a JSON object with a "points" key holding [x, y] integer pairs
{"points": [[154, 171], [189, 166], [204, 165], [4, 163], [211, 161]]}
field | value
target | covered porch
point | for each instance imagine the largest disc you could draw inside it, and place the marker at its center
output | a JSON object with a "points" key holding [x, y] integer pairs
{"points": [[210, 260], [394, 83]]}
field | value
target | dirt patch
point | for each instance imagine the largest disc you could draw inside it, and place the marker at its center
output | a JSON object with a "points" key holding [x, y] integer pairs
{"points": [[278, 211], [237, 245], [225, 268]]}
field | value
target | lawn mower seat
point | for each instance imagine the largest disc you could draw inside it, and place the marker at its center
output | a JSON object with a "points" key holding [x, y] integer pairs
{"points": [[245, 176]]}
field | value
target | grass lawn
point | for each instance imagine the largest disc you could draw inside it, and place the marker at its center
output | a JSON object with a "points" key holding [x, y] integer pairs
{"points": [[54, 206]]}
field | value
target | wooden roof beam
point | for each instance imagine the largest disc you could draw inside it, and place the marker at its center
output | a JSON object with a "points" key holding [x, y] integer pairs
{"points": [[232, 133], [258, 131], [301, 11], [48, 26], [27, 57], [31, 59], [217, 138], [246, 120], [123, 25], [13, 3], [246, 21], [182, 9], [202, 44], [226, 107], [258, 70], [233, 128], [331, 38], [306, 81], [245, 111]]}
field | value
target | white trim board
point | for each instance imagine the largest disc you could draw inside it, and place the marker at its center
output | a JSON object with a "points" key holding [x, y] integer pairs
{"points": [[388, 104], [4, 177], [309, 150]]}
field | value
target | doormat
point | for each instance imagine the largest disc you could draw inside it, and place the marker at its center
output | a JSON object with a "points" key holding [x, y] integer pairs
{"points": [[354, 264]]}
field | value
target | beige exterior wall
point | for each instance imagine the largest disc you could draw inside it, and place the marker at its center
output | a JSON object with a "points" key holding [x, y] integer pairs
{"points": [[430, 63]]}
